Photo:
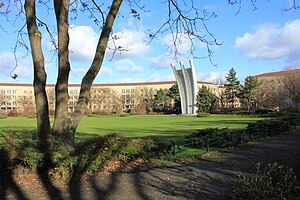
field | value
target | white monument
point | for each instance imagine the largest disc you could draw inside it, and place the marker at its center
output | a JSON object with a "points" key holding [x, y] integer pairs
{"points": [[187, 84]]}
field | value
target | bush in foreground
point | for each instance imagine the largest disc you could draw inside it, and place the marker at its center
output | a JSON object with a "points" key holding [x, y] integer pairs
{"points": [[91, 156], [274, 181]]}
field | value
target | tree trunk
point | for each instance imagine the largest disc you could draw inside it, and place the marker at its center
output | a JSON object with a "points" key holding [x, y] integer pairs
{"points": [[64, 126], [91, 74], [40, 77], [61, 122]]}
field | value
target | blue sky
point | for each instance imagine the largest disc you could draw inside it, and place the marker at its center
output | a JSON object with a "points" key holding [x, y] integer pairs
{"points": [[254, 42]]}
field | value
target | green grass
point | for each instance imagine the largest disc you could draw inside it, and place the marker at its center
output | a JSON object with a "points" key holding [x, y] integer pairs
{"points": [[163, 127], [187, 152]]}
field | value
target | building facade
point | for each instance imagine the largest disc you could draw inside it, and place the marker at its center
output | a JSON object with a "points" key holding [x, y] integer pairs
{"points": [[107, 98], [279, 90]]}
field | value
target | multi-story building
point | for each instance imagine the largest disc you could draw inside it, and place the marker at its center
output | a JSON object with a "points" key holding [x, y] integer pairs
{"points": [[278, 77], [103, 96], [279, 90], [12, 95]]}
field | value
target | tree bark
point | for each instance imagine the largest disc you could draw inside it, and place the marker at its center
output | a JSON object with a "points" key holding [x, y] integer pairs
{"points": [[40, 76], [91, 74], [61, 121], [65, 126]]}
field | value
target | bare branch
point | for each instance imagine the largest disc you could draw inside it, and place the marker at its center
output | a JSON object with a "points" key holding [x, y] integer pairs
{"points": [[53, 41], [294, 6], [186, 23], [99, 9], [93, 9], [116, 48]]}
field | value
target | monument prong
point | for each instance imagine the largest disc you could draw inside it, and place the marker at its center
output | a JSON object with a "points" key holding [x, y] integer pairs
{"points": [[187, 84]]}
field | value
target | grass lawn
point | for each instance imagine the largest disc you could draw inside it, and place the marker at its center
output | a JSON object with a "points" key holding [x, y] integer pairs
{"points": [[164, 127]]}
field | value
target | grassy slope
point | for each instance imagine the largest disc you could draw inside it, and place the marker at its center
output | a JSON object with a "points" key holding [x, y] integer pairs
{"points": [[165, 127]]}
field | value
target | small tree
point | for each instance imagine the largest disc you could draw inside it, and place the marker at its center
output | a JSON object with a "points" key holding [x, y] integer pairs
{"points": [[248, 93], [160, 100], [205, 99], [220, 99], [144, 98], [291, 84], [231, 87], [173, 93]]}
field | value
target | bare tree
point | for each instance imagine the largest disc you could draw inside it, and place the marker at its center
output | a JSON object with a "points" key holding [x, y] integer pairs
{"points": [[144, 99], [280, 91], [291, 84], [185, 20], [25, 104], [51, 100], [104, 101], [221, 100], [270, 95], [64, 126], [2, 101]]}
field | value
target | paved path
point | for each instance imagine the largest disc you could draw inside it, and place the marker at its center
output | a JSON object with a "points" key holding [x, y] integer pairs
{"points": [[202, 179]]}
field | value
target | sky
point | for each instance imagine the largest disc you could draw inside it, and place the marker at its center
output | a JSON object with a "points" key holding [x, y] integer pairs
{"points": [[254, 41]]}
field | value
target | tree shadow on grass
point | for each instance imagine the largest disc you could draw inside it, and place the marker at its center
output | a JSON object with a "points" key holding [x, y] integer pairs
{"points": [[6, 177], [74, 187], [206, 179]]}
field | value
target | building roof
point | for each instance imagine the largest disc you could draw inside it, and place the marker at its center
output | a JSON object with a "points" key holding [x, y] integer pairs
{"points": [[278, 73], [106, 84]]}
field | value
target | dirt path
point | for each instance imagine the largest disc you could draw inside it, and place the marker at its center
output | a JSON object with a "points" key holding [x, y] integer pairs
{"points": [[205, 178]]}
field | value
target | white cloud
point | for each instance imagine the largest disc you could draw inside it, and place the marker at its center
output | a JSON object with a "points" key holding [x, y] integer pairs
{"points": [[128, 66], [290, 34], [131, 41], [213, 77], [161, 61], [24, 66], [106, 70], [158, 77], [130, 80], [78, 72], [271, 42], [182, 43], [83, 42], [81, 71], [153, 78]]}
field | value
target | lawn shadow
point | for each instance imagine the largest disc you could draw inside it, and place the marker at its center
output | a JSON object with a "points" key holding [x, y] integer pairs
{"points": [[74, 188], [17, 133], [168, 135], [6, 178], [203, 178]]}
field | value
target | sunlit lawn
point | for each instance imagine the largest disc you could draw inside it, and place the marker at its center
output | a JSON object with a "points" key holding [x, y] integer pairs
{"points": [[164, 127]]}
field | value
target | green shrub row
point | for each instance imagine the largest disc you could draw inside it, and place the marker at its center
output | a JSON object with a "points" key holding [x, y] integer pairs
{"points": [[91, 156], [226, 138]]}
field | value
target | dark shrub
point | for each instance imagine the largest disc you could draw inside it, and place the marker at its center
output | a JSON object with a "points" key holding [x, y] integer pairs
{"points": [[202, 114], [274, 181]]}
